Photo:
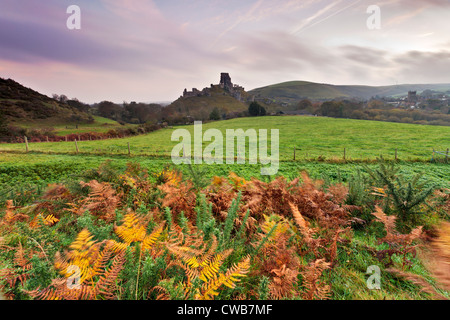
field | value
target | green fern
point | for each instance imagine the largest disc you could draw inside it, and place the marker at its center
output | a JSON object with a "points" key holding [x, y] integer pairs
{"points": [[229, 222]]}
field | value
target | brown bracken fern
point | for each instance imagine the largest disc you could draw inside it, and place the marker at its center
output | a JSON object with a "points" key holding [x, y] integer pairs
{"points": [[316, 289]]}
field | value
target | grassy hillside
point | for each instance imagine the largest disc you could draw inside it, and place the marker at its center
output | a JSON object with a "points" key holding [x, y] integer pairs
{"points": [[296, 90], [200, 107], [99, 125], [24, 106], [313, 137]]}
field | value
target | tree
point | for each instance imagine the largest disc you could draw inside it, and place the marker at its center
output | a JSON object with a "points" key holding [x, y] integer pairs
{"points": [[255, 109], [331, 109], [262, 111], [63, 98], [109, 110], [304, 104], [75, 103], [215, 114]]}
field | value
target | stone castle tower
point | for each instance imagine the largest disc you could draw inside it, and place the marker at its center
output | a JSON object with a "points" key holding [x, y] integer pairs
{"points": [[412, 96], [225, 82]]}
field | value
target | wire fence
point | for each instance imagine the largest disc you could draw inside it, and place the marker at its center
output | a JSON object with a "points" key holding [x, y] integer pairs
{"points": [[285, 153]]}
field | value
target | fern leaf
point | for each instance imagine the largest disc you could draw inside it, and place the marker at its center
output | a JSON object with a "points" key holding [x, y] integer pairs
{"points": [[229, 279], [212, 268], [150, 240], [106, 284], [131, 230]]}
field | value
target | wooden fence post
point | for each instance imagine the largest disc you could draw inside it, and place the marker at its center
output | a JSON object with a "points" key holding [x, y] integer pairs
{"points": [[76, 145], [396, 155], [26, 143], [294, 153], [344, 153], [46, 137]]}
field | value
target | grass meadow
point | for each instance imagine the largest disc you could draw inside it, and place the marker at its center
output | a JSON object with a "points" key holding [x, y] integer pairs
{"points": [[314, 138], [260, 237]]}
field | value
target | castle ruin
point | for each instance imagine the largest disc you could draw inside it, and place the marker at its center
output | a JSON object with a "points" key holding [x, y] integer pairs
{"points": [[225, 84]]}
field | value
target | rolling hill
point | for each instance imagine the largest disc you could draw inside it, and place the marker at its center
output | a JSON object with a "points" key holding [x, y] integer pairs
{"points": [[293, 91], [24, 106], [199, 107]]}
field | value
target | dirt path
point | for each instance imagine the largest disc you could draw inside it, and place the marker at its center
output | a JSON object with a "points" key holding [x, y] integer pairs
{"points": [[439, 256]]}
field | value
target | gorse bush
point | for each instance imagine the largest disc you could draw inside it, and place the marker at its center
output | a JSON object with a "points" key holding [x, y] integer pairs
{"points": [[405, 197], [126, 234]]}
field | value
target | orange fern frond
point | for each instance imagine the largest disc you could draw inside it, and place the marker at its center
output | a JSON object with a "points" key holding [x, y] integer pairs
{"points": [[102, 200], [150, 240], [117, 247], [236, 181], [315, 287], [11, 216], [39, 220], [388, 221], [228, 279], [282, 284], [132, 229], [83, 254], [211, 268], [20, 259], [107, 283]]}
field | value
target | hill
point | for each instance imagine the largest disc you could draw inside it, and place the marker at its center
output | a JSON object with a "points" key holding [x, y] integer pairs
{"points": [[293, 91], [24, 106], [199, 107], [229, 99]]}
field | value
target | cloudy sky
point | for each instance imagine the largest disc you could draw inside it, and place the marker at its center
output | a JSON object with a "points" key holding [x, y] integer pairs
{"points": [[150, 50]]}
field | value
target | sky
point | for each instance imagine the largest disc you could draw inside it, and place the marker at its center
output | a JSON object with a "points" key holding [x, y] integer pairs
{"points": [[150, 50]]}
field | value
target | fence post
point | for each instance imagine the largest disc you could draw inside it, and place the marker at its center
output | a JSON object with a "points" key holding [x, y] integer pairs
{"points": [[344, 152], [294, 153], [396, 155], [26, 143], [446, 156], [76, 145], [46, 137], [66, 138]]}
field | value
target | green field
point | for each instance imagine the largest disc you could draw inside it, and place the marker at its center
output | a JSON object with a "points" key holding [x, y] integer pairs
{"points": [[99, 125], [43, 168], [314, 138], [319, 144]]}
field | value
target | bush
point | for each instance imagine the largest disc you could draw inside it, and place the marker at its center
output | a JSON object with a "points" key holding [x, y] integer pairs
{"points": [[255, 109]]}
